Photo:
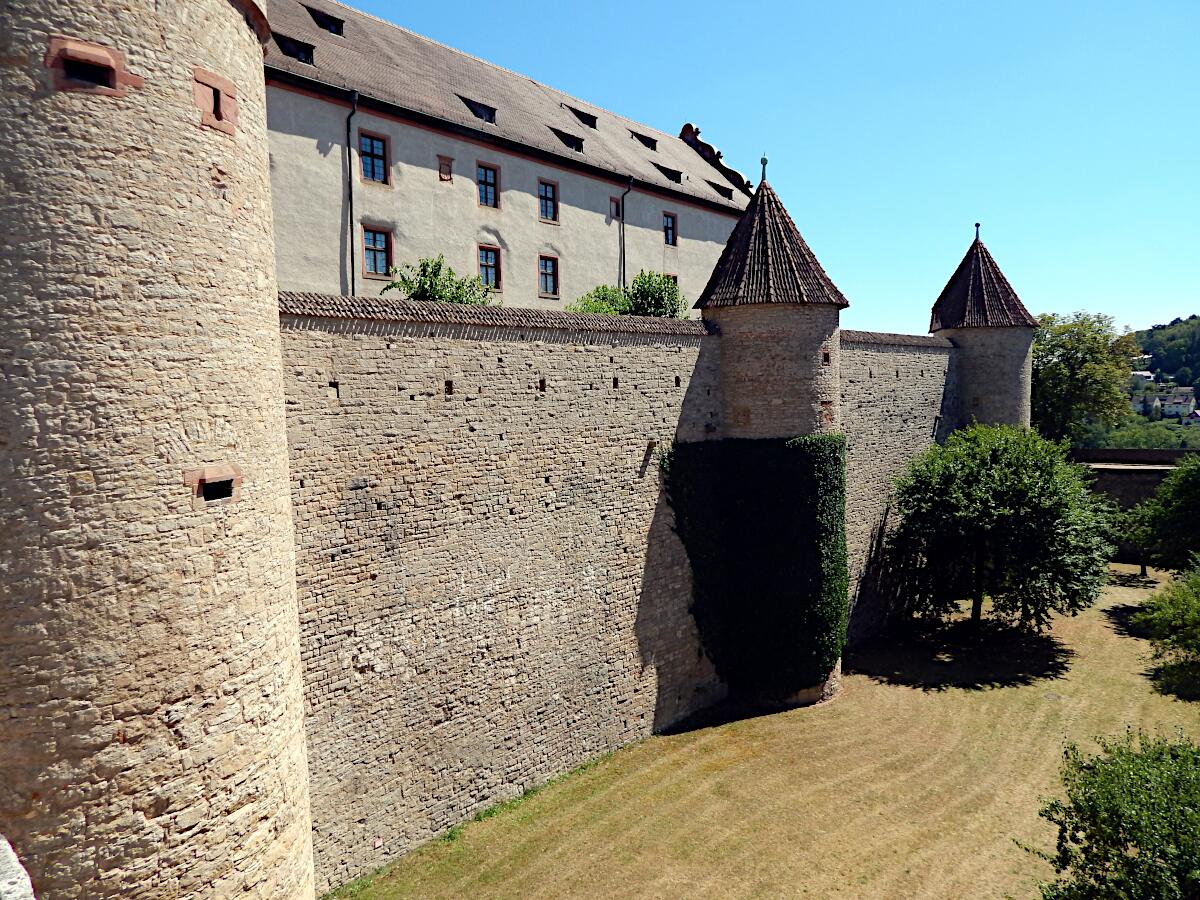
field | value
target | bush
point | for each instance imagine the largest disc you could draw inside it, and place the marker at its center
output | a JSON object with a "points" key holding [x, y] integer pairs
{"points": [[654, 294], [999, 512], [764, 526], [1130, 824], [1172, 512], [650, 294], [603, 299], [433, 280], [1171, 618]]}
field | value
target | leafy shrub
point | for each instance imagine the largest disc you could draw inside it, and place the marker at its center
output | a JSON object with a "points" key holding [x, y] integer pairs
{"points": [[764, 526], [604, 299], [1130, 824], [650, 294], [654, 294], [1172, 512], [1172, 618], [999, 512], [432, 279]]}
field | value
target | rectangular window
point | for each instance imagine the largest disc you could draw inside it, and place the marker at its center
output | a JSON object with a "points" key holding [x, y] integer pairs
{"points": [[547, 201], [614, 208], [297, 50], [547, 276], [325, 21], [377, 251], [372, 151], [445, 168], [488, 179], [670, 233], [489, 266]]}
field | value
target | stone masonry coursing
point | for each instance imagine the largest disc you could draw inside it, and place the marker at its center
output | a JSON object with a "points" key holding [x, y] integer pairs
{"points": [[490, 588], [896, 393], [151, 723]]}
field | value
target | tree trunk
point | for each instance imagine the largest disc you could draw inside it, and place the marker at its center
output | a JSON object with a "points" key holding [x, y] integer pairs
{"points": [[1143, 571], [977, 608]]}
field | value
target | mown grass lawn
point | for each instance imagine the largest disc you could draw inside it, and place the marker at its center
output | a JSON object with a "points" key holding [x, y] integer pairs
{"points": [[913, 783]]}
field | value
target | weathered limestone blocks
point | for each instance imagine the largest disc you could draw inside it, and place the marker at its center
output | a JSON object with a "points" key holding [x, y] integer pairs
{"points": [[152, 741]]}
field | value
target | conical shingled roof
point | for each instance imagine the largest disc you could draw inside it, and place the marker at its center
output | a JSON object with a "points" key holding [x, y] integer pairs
{"points": [[979, 296], [766, 260]]}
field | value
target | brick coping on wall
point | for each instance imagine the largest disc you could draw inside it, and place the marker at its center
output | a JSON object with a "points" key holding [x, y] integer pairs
{"points": [[903, 340], [389, 309]]}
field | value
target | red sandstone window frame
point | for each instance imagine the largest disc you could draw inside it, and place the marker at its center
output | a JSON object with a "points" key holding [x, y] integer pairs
{"points": [[554, 272], [499, 267], [445, 168], [386, 157], [670, 237], [479, 164], [673, 277], [387, 250], [62, 50], [555, 200], [216, 98]]}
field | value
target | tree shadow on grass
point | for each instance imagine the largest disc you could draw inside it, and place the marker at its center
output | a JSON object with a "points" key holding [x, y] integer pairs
{"points": [[1177, 679], [1131, 580], [936, 656], [1121, 619]]}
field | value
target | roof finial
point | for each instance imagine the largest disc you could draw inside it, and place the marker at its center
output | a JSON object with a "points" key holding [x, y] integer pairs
{"points": [[976, 231], [764, 165]]}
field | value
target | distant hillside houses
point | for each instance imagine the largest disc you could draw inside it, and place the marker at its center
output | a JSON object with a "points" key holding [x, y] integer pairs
{"points": [[1173, 402]]}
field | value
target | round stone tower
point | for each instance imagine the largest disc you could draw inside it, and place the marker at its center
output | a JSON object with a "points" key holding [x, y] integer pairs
{"points": [[777, 313], [992, 332], [150, 690]]}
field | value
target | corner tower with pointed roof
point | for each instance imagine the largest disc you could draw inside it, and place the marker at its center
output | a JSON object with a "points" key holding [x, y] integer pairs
{"points": [[992, 331], [778, 315]]}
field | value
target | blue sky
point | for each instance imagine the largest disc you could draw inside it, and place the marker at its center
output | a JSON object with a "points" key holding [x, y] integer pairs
{"points": [[1070, 130]]}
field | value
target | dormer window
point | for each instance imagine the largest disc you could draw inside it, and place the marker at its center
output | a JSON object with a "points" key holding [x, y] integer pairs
{"points": [[648, 142], [326, 22], [726, 192], [481, 111], [570, 141], [586, 118], [297, 50], [670, 174]]}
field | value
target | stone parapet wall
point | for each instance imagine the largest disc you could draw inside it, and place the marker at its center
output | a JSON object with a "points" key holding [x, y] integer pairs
{"points": [[490, 588], [896, 393]]}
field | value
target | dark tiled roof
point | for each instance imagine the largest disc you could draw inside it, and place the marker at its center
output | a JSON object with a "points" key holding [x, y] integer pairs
{"points": [[400, 69], [394, 309], [894, 340], [766, 261], [979, 296]]}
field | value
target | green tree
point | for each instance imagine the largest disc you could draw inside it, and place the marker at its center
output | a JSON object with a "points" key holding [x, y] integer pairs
{"points": [[604, 299], [1172, 618], [1081, 371], [1129, 826], [655, 294], [650, 294], [1173, 516], [999, 512], [433, 280], [1136, 525], [1183, 376]]}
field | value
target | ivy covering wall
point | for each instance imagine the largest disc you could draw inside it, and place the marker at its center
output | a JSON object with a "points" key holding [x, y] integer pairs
{"points": [[764, 526]]}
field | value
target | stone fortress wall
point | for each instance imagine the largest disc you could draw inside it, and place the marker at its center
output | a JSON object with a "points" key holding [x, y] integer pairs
{"points": [[474, 585], [490, 588]]}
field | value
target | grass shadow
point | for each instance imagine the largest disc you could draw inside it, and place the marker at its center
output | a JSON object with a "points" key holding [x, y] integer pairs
{"points": [[1131, 580], [936, 656], [1121, 619], [731, 709], [1180, 680]]}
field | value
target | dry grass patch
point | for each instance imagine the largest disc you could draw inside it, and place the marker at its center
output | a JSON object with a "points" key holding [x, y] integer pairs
{"points": [[912, 784]]}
